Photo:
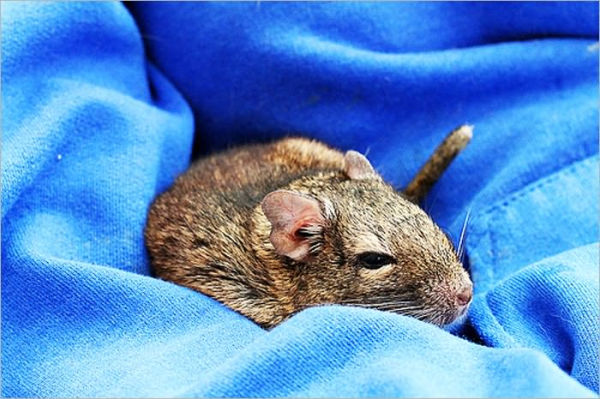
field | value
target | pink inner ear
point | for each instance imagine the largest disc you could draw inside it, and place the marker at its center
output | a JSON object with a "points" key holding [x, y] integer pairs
{"points": [[288, 212]]}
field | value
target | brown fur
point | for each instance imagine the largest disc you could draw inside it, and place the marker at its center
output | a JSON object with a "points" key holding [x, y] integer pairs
{"points": [[208, 232]]}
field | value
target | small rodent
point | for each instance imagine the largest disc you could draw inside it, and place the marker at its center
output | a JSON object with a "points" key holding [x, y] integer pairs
{"points": [[272, 229]]}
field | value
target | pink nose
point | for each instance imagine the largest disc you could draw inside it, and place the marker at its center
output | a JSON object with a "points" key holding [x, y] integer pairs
{"points": [[465, 295]]}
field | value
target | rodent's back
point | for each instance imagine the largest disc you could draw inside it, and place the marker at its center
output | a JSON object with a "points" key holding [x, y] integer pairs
{"points": [[223, 189], [260, 165], [198, 231]]}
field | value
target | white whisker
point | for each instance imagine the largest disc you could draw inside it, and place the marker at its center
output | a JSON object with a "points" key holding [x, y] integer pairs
{"points": [[461, 241]]}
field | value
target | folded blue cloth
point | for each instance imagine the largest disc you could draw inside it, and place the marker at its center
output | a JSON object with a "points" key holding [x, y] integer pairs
{"points": [[103, 104]]}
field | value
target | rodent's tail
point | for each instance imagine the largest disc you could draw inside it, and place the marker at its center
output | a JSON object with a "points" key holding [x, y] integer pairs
{"points": [[438, 162]]}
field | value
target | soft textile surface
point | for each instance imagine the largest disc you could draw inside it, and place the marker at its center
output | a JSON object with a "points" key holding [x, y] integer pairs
{"points": [[103, 104]]}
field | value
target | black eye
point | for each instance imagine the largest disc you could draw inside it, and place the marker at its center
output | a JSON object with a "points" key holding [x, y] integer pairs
{"points": [[375, 260]]}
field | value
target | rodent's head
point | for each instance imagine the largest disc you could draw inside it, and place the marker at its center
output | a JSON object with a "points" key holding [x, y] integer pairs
{"points": [[350, 238]]}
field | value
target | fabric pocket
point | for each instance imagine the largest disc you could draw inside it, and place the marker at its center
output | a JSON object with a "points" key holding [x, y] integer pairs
{"points": [[553, 214], [551, 305]]}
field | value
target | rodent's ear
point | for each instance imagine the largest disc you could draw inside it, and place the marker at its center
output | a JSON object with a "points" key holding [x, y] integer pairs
{"points": [[296, 223], [358, 167]]}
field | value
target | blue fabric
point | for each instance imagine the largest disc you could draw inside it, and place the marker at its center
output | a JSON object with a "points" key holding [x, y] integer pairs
{"points": [[103, 104]]}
